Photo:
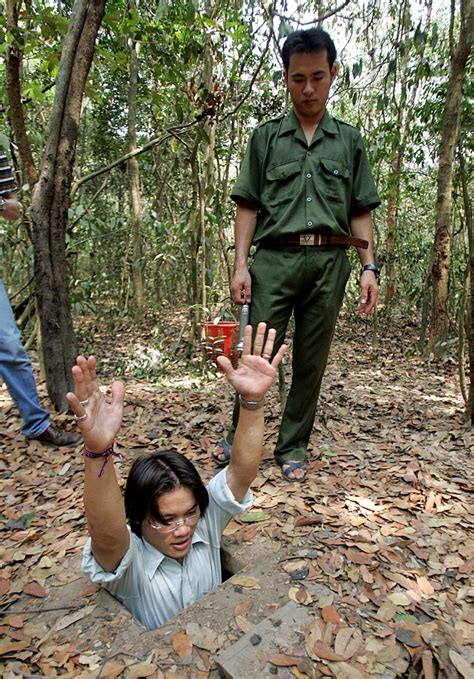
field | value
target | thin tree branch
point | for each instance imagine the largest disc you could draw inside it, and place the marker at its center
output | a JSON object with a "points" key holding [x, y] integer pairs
{"points": [[146, 147], [89, 205], [252, 81], [319, 20]]}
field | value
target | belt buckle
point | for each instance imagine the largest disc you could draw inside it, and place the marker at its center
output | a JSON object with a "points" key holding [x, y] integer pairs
{"points": [[307, 239]]}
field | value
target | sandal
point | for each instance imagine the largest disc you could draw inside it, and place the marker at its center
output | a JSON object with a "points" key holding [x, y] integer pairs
{"points": [[227, 449], [291, 466]]}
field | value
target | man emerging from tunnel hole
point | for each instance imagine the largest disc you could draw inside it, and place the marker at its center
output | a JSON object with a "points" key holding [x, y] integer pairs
{"points": [[168, 556]]}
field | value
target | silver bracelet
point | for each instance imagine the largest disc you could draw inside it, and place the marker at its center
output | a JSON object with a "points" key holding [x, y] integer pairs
{"points": [[251, 405]]}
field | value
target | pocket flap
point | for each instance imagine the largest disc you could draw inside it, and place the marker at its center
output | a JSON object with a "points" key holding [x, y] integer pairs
{"points": [[334, 167], [284, 171]]}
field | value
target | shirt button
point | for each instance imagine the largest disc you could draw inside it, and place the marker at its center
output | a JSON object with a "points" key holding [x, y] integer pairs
{"points": [[336, 171], [309, 199], [310, 223], [308, 176], [308, 153]]}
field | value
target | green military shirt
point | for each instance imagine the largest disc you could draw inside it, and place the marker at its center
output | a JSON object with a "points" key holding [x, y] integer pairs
{"points": [[305, 189]]}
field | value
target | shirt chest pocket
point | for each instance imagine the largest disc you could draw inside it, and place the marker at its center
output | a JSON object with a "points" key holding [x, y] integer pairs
{"points": [[335, 178], [281, 183]]}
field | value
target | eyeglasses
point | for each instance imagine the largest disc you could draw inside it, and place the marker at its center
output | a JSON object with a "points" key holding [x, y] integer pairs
{"points": [[188, 520]]}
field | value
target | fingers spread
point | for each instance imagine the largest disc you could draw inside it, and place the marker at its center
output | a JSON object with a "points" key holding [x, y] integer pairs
{"points": [[118, 392], [224, 362], [279, 355], [259, 339], [247, 340], [268, 349]]}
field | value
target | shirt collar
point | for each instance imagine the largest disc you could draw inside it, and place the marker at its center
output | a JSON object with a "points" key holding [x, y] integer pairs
{"points": [[290, 123], [153, 558]]}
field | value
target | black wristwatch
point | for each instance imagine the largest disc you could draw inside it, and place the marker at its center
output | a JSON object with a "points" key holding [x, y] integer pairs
{"points": [[371, 267]]}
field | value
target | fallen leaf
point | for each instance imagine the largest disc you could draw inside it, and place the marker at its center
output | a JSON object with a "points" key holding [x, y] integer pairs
{"points": [[300, 595], [388, 654], [283, 660], [453, 561], [243, 607], [400, 599], [246, 581], [205, 637], [386, 611], [348, 642], [182, 644], [12, 646], [112, 669], [358, 557], [313, 634], [142, 669], [463, 666], [320, 650], [15, 621], [330, 614], [243, 624], [34, 589], [343, 670], [254, 517]]}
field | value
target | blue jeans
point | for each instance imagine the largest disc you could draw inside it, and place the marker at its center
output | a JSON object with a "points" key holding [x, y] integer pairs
{"points": [[17, 373]]}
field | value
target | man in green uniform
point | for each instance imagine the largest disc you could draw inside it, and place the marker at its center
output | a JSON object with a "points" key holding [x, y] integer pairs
{"points": [[304, 195]]}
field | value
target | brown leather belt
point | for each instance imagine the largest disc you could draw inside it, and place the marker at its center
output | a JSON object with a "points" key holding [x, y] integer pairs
{"points": [[315, 239]]}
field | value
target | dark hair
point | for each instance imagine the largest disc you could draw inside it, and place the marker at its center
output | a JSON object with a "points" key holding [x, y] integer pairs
{"points": [[152, 475], [314, 40]]}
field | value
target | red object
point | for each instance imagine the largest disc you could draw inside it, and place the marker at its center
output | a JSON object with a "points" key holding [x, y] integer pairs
{"points": [[221, 339]]}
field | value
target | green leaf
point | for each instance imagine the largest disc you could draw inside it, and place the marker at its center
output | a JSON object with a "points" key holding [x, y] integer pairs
{"points": [[284, 28], [254, 517], [406, 616], [4, 141], [179, 112]]}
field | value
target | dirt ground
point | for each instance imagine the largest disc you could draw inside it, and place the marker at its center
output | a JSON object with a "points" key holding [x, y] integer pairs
{"points": [[375, 548]]}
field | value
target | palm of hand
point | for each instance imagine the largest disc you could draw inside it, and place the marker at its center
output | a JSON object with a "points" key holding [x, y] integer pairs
{"points": [[103, 422], [253, 377]]}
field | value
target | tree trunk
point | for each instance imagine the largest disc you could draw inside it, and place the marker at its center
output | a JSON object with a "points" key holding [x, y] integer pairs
{"points": [[134, 186], [469, 321], [194, 233], [13, 88], [404, 118], [442, 242], [51, 199]]}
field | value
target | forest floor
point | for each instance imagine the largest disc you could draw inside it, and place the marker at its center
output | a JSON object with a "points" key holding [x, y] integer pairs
{"points": [[383, 521]]}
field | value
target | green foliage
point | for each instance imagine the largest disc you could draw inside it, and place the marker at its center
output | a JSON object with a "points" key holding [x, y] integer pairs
{"points": [[198, 62]]}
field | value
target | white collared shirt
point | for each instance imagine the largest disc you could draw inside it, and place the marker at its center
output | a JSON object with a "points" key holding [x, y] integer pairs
{"points": [[155, 587]]}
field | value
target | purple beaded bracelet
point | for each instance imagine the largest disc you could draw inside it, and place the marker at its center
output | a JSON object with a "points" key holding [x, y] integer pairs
{"points": [[106, 454]]}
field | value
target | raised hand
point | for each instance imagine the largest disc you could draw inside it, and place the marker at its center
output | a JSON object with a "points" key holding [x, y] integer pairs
{"points": [[255, 372], [103, 420]]}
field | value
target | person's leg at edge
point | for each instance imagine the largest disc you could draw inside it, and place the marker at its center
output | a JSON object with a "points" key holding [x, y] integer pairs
{"points": [[316, 314], [274, 289], [17, 373]]}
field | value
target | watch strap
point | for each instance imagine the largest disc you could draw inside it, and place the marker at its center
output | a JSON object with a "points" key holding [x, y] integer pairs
{"points": [[251, 405], [371, 267]]}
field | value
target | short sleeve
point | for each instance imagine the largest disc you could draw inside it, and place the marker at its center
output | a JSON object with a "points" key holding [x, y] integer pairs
{"points": [[94, 570], [222, 506], [364, 191], [247, 185]]}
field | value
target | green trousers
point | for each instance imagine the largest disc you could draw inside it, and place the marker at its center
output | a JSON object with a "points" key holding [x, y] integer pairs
{"points": [[310, 283]]}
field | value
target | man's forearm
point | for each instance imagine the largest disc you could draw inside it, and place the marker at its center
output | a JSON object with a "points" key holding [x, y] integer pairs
{"points": [[361, 227], [245, 224], [105, 512], [246, 451]]}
